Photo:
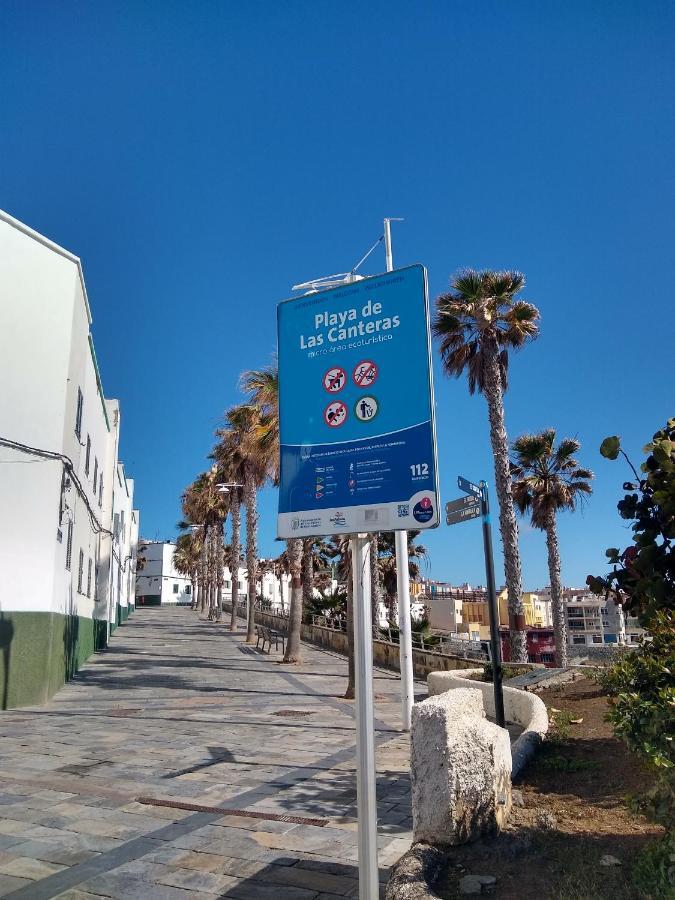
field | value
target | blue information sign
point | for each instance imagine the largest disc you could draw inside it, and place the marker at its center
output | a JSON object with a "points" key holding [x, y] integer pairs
{"points": [[357, 431]]}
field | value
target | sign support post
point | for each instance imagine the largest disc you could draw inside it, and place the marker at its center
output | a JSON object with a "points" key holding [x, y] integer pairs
{"points": [[365, 735], [492, 605], [402, 579]]}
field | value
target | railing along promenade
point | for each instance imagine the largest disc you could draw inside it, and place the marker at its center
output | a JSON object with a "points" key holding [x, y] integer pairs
{"points": [[431, 653]]}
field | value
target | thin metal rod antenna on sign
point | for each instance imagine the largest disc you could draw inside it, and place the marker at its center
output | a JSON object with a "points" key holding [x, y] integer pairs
{"points": [[366, 797], [402, 575]]}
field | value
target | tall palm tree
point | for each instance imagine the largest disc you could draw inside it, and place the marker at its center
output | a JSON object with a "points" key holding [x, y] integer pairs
{"points": [[478, 321], [263, 387], [228, 453], [293, 653], [417, 554], [546, 480], [186, 560], [204, 504], [245, 426]]}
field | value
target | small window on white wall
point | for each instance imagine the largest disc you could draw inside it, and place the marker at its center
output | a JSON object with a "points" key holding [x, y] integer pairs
{"points": [[175, 588]]}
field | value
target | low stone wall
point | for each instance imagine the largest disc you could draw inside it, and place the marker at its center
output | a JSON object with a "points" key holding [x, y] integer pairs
{"points": [[520, 708], [460, 768], [385, 654]]}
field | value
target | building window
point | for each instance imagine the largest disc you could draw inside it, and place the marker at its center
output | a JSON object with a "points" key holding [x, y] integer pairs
{"points": [[547, 658], [228, 585], [69, 546], [175, 588], [87, 456], [239, 585], [89, 578], [100, 490], [78, 414], [93, 490], [597, 638], [188, 589], [578, 640], [80, 571]]}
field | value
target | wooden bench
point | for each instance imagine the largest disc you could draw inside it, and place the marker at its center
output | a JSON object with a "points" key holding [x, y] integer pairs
{"points": [[269, 636]]}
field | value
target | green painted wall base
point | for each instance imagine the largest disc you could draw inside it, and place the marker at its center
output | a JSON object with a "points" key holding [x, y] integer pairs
{"points": [[40, 651]]}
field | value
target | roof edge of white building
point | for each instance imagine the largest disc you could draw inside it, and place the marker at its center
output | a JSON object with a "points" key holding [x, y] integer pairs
{"points": [[41, 239]]}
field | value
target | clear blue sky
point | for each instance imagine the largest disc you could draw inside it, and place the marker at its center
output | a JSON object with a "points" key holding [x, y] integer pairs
{"points": [[202, 157]]}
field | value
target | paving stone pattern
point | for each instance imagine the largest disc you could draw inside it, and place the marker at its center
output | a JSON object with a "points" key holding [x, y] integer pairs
{"points": [[180, 709]]}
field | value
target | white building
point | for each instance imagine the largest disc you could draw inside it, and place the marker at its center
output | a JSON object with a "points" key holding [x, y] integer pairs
{"points": [[59, 441], [157, 582], [592, 620]]}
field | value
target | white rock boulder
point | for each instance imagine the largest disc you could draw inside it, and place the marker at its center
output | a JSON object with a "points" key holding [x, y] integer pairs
{"points": [[461, 769]]}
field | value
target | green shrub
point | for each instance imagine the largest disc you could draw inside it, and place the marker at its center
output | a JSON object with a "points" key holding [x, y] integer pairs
{"points": [[653, 871], [642, 695]]}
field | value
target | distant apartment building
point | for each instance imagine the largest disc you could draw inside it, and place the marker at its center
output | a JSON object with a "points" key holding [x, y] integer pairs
{"points": [[591, 620], [67, 522]]}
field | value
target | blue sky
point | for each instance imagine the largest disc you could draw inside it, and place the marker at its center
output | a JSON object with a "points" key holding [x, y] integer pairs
{"points": [[203, 157]]}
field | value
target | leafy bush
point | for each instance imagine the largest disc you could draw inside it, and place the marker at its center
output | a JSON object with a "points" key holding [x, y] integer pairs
{"points": [[642, 690], [643, 578], [642, 684], [332, 604], [653, 871], [507, 672]]}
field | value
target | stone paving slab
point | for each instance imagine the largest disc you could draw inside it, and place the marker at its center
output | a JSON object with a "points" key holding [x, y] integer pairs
{"points": [[179, 709]]}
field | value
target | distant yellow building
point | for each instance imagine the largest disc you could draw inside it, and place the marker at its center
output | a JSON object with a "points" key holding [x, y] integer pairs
{"points": [[537, 610]]}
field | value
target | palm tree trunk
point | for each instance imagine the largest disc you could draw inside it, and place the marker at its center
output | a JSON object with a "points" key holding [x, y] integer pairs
{"points": [[203, 586], [235, 550], [293, 651], [557, 599], [350, 693], [251, 550], [194, 583], [375, 583], [212, 571], [220, 562], [508, 524], [308, 571]]}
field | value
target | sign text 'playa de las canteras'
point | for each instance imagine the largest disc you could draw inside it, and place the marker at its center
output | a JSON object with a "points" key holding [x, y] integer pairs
{"points": [[357, 431]]}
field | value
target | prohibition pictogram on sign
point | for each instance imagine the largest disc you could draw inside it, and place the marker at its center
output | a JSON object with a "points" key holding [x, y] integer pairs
{"points": [[335, 414], [334, 379], [365, 373]]}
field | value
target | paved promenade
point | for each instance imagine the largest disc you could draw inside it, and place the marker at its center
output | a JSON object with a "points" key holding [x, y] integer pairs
{"points": [[180, 711]]}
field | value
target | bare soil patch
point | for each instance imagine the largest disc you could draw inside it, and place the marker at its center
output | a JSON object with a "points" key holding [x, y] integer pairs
{"points": [[576, 810]]}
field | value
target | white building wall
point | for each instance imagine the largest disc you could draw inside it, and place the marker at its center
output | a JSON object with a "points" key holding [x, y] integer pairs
{"points": [[46, 356]]}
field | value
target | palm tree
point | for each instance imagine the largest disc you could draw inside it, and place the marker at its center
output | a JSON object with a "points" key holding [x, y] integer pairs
{"points": [[338, 550], [242, 428], [186, 560], [417, 553], [478, 321], [263, 387], [228, 453], [293, 652], [203, 503], [546, 480]]}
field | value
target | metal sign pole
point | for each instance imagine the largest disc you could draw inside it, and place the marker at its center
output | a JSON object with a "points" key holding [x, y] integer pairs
{"points": [[492, 606], [402, 578], [365, 735]]}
